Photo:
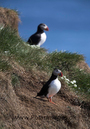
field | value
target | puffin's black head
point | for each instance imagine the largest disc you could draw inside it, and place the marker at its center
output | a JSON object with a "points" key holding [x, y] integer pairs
{"points": [[57, 72], [43, 26]]}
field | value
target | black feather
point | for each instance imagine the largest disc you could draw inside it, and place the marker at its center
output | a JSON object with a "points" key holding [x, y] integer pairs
{"points": [[44, 90], [34, 39]]}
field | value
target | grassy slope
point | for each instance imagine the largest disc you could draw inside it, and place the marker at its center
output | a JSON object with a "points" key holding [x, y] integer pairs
{"points": [[22, 69], [13, 48]]}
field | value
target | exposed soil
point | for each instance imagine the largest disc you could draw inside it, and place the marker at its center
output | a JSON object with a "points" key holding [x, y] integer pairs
{"points": [[19, 109]]}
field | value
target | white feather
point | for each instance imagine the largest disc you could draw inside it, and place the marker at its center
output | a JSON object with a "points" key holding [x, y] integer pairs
{"points": [[43, 39], [55, 86]]}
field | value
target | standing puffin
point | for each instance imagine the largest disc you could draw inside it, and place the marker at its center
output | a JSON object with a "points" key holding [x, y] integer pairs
{"points": [[52, 86], [39, 37]]}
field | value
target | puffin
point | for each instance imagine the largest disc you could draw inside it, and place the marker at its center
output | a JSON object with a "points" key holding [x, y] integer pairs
{"points": [[52, 86], [39, 37]]}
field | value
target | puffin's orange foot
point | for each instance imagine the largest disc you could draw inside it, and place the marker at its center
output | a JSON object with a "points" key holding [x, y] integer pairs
{"points": [[50, 100]]}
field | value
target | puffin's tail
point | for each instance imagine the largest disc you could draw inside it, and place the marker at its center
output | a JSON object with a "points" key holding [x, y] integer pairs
{"points": [[30, 41], [36, 96]]}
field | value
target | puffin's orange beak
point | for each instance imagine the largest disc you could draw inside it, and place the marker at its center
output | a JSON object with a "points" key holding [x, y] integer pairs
{"points": [[47, 29]]}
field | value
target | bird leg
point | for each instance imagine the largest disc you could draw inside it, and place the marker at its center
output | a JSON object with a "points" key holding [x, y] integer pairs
{"points": [[50, 100]]}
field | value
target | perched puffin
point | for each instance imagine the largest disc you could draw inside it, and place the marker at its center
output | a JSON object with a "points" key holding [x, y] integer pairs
{"points": [[39, 37], [52, 86]]}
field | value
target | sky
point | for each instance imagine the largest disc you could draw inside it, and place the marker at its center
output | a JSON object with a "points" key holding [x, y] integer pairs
{"points": [[68, 22]]}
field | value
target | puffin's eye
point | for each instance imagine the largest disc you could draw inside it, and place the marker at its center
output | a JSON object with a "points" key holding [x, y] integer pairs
{"points": [[56, 70], [44, 25]]}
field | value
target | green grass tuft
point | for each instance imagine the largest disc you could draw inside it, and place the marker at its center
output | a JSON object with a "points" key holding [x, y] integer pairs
{"points": [[15, 80], [63, 60], [4, 65], [82, 79]]}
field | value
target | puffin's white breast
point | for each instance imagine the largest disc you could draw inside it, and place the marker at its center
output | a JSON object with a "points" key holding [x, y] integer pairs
{"points": [[43, 39], [55, 86]]}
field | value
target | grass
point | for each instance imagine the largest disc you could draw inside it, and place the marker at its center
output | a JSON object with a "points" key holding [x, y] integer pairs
{"points": [[14, 48], [15, 80], [4, 65], [82, 79], [1, 125], [64, 60], [1, 128]]}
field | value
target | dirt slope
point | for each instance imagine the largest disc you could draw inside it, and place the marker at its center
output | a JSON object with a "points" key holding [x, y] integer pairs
{"points": [[20, 110]]}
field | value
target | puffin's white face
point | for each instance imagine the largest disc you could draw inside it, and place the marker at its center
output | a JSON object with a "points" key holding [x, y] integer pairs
{"points": [[57, 72], [44, 27]]}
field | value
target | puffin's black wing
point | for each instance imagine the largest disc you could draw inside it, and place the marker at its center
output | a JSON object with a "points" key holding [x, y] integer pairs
{"points": [[44, 89], [34, 39]]}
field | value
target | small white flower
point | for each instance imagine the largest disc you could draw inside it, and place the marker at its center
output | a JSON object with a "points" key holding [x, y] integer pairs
{"points": [[67, 80], [62, 78], [75, 85], [73, 82], [81, 69], [6, 52]]}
